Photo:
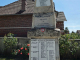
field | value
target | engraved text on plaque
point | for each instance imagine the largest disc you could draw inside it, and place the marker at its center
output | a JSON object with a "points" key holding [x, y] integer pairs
{"points": [[42, 49], [40, 3]]}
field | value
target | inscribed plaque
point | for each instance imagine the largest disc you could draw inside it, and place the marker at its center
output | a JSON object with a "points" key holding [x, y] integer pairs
{"points": [[44, 20], [42, 49], [40, 3]]}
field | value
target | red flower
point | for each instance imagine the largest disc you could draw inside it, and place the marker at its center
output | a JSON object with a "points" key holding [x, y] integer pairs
{"points": [[28, 44], [25, 48], [18, 51], [15, 51], [21, 48], [28, 53], [21, 53]]}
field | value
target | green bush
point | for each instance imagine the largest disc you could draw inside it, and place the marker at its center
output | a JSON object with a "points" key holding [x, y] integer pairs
{"points": [[66, 31], [74, 36], [9, 42], [68, 48]]}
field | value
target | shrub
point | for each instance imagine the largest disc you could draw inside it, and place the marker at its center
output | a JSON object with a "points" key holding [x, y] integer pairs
{"points": [[9, 42], [66, 31], [68, 48], [74, 36]]}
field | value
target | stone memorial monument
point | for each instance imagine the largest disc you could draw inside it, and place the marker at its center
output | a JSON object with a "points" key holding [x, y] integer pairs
{"points": [[44, 43], [44, 15]]}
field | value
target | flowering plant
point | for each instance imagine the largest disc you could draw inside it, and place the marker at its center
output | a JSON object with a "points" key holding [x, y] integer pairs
{"points": [[10, 42], [22, 51]]}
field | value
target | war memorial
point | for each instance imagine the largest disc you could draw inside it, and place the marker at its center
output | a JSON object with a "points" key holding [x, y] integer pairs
{"points": [[44, 37]]}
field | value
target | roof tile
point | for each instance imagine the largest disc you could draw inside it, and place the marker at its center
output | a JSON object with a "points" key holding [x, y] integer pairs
{"points": [[11, 8], [15, 8], [61, 17]]}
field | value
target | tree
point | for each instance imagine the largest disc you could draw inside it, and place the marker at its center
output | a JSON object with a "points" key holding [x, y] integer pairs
{"points": [[72, 32], [66, 31]]}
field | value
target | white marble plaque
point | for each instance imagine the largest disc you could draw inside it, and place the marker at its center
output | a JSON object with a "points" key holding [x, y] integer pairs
{"points": [[42, 49], [40, 3], [43, 20], [34, 50]]}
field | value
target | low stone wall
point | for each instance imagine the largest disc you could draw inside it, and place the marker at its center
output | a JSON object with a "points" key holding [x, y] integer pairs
{"points": [[76, 40], [21, 42]]}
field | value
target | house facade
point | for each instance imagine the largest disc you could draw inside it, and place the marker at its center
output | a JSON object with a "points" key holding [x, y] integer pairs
{"points": [[78, 32], [16, 18]]}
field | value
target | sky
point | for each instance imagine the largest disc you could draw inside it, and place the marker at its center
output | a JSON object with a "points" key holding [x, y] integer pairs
{"points": [[71, 9]]}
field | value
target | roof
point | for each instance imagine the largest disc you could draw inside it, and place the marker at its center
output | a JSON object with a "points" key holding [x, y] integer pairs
{"points": [[15, 8], [12, 8], [29, 7], [78, 31], [61, 16]]}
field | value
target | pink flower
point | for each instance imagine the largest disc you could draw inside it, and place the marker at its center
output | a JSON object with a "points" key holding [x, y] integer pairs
{"points": [[28, 44], [28, 53], [21, 53], [25, 48], [21, 48], [18, 51]]}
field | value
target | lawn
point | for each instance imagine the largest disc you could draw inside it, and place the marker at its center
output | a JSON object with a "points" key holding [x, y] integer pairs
{"points": [[17, 57], [6, 59], [13, 59]]}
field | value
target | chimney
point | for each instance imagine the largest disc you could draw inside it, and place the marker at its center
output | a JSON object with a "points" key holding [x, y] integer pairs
{"points": [[22, 4]]}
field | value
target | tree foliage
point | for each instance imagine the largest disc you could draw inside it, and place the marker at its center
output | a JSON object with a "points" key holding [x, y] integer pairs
{"points": [[9, 41], [66, 31], [69, 48]]}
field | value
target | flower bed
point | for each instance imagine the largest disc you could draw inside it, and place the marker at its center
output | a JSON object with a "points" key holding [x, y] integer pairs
{"points": [[23, 51]]}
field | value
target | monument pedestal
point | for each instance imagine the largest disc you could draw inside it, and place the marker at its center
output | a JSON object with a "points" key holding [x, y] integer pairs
{"points": [[44, 44]]}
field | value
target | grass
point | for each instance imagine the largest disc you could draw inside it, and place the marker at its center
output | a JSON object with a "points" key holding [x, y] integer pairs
{"points": [[5, 59], [17, 57]]}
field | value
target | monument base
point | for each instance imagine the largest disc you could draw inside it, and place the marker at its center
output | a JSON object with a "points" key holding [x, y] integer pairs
{"points": [[44, 44]]}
